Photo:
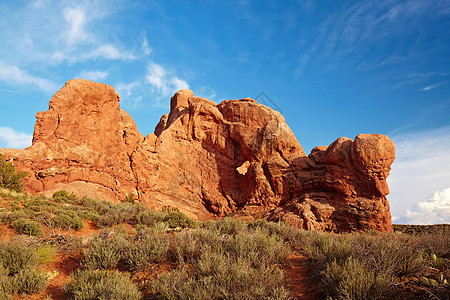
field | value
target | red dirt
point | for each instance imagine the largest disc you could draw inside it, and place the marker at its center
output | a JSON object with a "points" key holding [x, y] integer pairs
{"points": [[296, 271]]}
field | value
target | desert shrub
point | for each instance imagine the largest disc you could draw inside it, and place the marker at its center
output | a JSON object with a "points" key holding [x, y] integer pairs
{"points": [[226, 226], [6, 287], [355, 280], [185, 247], [11, 216], [68, 219], [29, 282], [45, 253], [105, 253], [122, 212], [219, 276], [101, 284], [16, 256], [149, 248], [436, 242], [60, 196], [4, 295], [100, 206], [177, 219], [149, 218], [326, 248], [281, 229], [258, 247], [129, 198], [390, 254], [85, 213], [170, 216], [28, 227], [9, 179]]}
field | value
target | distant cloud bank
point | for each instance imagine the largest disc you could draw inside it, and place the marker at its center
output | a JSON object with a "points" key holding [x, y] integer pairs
{"points": [[434, 210], [420, 178]]}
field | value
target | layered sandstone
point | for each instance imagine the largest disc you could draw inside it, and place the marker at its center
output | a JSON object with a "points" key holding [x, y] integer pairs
{"points": [[208, 160]]}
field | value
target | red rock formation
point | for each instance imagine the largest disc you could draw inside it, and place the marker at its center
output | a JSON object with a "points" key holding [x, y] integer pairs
{"points": [[208, 160]]}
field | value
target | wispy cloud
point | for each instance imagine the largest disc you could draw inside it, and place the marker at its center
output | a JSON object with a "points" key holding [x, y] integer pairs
{"points": [[105, 52], [355, 35], [15, 76], [428, 74], [109, 51], [145, 47], [206, 92], [164, 82], [130, 93], [433, 86], [13, 139], [420, 170], [77, 19], [93, 75]]}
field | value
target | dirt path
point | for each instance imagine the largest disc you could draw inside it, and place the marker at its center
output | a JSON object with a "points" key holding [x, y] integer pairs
{"points": [[296, 271]]}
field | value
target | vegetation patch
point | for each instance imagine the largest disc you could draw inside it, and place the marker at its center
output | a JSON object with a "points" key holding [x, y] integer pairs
{"points": [[102, 284]]}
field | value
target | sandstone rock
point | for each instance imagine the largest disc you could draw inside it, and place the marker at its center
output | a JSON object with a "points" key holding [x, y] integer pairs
{"points": [[208, 160]]}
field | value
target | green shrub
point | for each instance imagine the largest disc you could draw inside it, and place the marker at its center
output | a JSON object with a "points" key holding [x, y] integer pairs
{"points": [[436, 242], [171, 216], [28, 227], [120, 213], [326, 248], [148, 249], [281, 229], [226, 226], [100, 206], [218, 276], [16, 257], [186, 246], [177, 219], [355, 280], [11, 216], [101, 284], [9, 179], [149, 218], [105, 253], [258, 247], [129, 198], [6, 287], [29, 282], [68, 220], [45, 253], [60, 196]]}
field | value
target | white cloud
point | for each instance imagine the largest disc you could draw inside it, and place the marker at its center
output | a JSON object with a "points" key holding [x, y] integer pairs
{"points": [[77, 19], [106, 51], [93, 75], [145, 47], [206, 92], [421, 168], [109, 51], [164, 82], [435, 210], [15, 76], [13, 139], [128, 93], [433, 86]]}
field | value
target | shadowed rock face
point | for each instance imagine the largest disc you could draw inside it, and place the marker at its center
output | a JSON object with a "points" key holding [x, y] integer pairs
{"points": [[208, 160]]}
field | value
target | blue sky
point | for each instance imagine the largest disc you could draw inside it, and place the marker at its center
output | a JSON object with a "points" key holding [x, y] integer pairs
{"points": [[333, 68]]}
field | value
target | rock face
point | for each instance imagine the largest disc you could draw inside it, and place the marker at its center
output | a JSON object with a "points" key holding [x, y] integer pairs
{"points": [[208, 160]]}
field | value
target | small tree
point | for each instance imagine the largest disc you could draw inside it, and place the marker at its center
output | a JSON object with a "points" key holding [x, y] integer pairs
{"points": [[9, 178]]}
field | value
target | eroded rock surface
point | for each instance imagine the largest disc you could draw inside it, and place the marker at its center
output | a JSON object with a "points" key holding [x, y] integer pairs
{"points": [[208, 160]]}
